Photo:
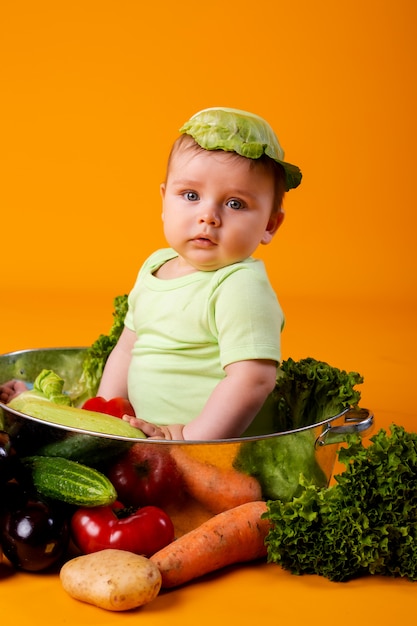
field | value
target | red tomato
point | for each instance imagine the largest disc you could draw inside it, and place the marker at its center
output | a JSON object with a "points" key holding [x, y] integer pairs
{"points": [[146, 474], [143, 531], [116, 406]]}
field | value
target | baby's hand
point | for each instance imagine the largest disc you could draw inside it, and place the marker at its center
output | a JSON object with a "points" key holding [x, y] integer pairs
{"points": [[11, 389], [173, 432]]}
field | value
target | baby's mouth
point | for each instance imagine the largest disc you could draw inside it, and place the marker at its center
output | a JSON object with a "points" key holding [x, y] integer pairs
{"points": [[203, 240]]}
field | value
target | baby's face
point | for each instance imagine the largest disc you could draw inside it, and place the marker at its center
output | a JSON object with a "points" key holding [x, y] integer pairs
{"points": [[217, 209]]}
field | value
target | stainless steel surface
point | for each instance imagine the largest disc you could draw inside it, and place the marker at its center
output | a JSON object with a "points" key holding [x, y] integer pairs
{"points": [[322, 438]]}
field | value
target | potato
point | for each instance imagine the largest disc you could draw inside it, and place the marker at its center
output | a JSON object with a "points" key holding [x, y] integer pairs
{"points": [[115, 580]]}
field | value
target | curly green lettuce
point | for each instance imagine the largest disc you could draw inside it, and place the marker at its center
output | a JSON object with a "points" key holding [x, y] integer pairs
{"points": [[98, 353], [366, 523], [310, 391]]}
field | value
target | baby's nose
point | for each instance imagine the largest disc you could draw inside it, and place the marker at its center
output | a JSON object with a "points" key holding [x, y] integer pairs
{"points": [[209, 215]]}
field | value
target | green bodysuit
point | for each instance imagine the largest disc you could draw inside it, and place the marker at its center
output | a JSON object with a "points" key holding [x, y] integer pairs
{"points": [[189, 328]]}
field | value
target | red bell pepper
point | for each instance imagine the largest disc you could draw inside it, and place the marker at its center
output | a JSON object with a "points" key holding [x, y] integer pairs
{"points": [[142, 531], [116, 406]]}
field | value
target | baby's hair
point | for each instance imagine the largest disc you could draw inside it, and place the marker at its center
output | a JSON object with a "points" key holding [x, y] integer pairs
{"points": [[185, 143]]}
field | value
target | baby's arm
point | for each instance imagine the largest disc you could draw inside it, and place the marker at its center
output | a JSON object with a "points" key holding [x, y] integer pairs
{"points": [[114, 380], [235, 401], [231, 407]]}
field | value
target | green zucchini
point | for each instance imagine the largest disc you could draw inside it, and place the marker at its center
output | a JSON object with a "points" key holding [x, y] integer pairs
{"points": [[70, 482], [89, 449], [73, 417]]}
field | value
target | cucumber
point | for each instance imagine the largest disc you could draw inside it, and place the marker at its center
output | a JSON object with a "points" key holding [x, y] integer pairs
{"points": [[70, 482], [88, 449]]}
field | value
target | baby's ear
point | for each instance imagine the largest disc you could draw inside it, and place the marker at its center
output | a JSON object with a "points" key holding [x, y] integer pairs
{"points": [[162, 192], [274, 223]]}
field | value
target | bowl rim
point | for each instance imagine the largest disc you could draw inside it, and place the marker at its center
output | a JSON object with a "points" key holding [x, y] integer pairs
{"points": [[15, 354]]}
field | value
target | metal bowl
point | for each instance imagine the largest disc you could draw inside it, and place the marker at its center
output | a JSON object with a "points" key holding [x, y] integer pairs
{"points": [[29, 433]]}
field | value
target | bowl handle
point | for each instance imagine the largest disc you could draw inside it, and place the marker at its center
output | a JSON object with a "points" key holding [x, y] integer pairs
{"points": [[357, 420]]}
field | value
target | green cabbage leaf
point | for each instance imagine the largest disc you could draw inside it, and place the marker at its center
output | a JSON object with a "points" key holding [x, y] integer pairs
{"points": [[247, 134]]}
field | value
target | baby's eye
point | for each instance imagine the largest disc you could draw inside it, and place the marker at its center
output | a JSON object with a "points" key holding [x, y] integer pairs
{"points": [[192, 196], [234, 204]]}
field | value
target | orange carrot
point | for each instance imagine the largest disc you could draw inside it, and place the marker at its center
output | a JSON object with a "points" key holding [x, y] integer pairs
{"points": [[234, 536], [216, 488]]}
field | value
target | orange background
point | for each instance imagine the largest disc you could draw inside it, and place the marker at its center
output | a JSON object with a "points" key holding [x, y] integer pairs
{"points": [[92, 95]]}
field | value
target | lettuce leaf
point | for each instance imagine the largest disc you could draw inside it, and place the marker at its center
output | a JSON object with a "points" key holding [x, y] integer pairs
{"points": [[366, 523], [279, 463], [97, 354], [310, 391]]}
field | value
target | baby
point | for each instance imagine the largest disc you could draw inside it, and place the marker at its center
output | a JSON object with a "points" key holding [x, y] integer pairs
{"points": [[199, 353]]}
